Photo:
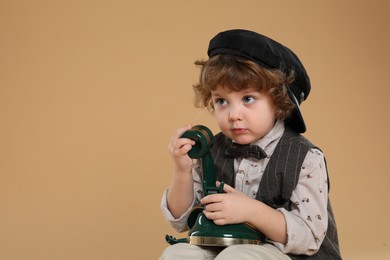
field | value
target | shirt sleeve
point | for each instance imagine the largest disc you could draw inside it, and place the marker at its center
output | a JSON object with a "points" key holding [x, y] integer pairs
{"points": [[180, 223], [307, 222]]}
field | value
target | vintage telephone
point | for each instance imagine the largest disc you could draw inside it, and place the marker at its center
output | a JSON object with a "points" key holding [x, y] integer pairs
{"points": [[202, 231]]}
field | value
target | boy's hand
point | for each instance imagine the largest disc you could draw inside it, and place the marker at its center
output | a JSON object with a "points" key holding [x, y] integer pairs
{"points": [[179, 147], [231, 207]]}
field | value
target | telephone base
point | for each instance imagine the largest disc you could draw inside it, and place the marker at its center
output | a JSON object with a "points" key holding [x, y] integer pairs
{"points": [[220, 241]]}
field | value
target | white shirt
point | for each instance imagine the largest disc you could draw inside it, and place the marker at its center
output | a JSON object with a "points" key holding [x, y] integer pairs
{"points": [[307, 221]]}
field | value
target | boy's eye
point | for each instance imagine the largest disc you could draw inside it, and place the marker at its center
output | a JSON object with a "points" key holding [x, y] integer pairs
{"points": [[248, 99], [220, 101]]}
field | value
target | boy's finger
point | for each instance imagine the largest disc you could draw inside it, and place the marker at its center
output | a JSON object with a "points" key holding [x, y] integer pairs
{"points": [[226, 188], [213, 198], [181, 130]]}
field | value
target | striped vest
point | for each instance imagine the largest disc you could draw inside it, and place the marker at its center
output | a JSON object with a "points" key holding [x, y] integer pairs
{"points": [[278, 182]]}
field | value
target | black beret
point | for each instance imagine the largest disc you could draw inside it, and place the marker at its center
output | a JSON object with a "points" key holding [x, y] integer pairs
{"points": [[271, 55]]}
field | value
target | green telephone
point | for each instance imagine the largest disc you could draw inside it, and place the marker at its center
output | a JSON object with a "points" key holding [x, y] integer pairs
{"points": [[202, 231]]}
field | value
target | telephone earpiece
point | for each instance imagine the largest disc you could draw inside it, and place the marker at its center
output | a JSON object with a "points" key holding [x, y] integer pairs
{"points": [[203, 138]]}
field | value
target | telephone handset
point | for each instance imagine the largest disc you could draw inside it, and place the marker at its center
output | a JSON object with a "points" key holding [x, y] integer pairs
{"points": [[202, 231], [204, 140]]}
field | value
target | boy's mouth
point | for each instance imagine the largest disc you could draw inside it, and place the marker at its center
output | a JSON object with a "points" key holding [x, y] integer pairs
{"points": [[239, 131]]}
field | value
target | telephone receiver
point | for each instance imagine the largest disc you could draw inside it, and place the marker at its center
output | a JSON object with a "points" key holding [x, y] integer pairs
{"points": [[202, 231]]}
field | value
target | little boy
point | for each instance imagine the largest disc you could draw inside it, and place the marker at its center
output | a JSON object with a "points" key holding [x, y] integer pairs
{"points": [[254, 87]]}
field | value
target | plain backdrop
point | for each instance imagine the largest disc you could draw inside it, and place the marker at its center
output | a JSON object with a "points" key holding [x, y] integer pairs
{"points": [[92, 91]]}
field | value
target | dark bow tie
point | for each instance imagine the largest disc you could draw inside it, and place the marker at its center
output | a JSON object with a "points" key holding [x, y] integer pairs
{"points": [[245, 151]]}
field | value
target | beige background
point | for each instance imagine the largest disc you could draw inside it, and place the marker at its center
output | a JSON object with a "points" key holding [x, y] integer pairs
{"points": [[91, 92]]}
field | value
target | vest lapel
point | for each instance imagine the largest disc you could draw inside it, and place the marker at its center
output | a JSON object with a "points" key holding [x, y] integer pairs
{"points": [[282, 172]]}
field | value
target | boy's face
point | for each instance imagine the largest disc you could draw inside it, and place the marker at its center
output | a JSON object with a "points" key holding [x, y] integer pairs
{"points": [[243, 116]]}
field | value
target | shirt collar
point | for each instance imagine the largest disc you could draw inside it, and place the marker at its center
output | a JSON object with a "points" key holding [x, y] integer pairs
{"points": [[269, 141]]}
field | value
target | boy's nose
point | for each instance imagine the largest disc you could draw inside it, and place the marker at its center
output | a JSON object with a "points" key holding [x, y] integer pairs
{"points": [[235, 114]]}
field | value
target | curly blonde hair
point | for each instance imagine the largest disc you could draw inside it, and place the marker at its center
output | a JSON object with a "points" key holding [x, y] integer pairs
{"points": [[235, 74]]}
